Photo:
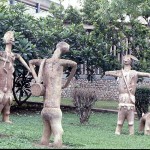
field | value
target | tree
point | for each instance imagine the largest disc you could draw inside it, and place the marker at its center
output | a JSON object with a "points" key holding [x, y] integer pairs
{"points": [[137, 33], [36, 38], [110, 19]]}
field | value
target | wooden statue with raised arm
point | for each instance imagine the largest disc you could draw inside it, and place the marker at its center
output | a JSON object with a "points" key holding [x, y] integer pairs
{"points": [[51, 73], [6, 75], [127, 86]]}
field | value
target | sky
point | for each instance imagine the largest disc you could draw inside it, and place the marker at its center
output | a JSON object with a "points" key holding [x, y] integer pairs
{"points": [[74, 3]]}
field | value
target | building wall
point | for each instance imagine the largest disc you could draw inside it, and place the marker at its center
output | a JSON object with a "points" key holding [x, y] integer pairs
{"points": [[106, 89]]}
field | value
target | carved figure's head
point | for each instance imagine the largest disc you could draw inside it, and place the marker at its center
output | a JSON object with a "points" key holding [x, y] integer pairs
{"points": [[9, 37], [63, 46], [127, 59]]}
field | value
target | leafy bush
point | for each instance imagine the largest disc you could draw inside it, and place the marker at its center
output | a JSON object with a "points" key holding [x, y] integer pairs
{"points": [[142, 96], [84, 99]]}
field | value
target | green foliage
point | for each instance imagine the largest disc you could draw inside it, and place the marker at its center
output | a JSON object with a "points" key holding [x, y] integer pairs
{"points": [[142, 97], [105, 15], [94, 10], [146, 8], [24, 47], [72, 16]]}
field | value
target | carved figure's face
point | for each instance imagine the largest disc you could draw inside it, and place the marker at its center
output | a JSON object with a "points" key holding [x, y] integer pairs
{"points": [[9, 37], [64, 47], [127, 60]]}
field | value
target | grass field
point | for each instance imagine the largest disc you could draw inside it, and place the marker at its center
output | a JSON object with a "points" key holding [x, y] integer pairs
{"points": [[99, 104], [26, 130]]}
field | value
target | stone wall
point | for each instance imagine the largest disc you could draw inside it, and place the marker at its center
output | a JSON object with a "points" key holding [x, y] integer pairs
{"points": [[107, 89]]}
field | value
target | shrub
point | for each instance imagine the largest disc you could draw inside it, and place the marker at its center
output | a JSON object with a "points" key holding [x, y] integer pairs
{"points": [[84, 99], [142, 96]]}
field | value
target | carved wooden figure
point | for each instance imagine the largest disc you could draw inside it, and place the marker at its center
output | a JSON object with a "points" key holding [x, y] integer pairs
{"points": [[7, 59], [144, 124], [52, 72], [127, 80]]}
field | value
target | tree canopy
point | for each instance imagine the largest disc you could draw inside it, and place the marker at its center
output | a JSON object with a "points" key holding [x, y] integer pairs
{"points": [[97, 48], [116, 31]]}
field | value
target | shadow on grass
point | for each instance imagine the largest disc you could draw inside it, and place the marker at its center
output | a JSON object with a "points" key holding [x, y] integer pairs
{"points": [[4, 136], [85, 124], [64, 146], [72, 146]]}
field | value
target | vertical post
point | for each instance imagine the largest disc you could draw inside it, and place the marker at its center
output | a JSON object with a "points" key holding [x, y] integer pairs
{"points": [[37, 7], [149, 22], [11, 2]]}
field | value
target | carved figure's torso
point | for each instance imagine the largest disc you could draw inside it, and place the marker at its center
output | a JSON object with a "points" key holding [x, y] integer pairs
{"points": [[131, 80], [6, 77], [6, 71], [52, 79]]}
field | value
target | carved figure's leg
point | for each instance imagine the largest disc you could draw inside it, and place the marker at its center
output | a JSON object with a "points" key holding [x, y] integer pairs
{"points": [[121, 118], [131, 129], [1, 107], [57, 128], [6, 113], [141, 124], [46, 132], [118, 129], [1, 101], [147, 127], [130, 119]]}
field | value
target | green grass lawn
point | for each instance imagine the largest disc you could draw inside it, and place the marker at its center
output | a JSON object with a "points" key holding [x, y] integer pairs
{"points": [[105, 104], [27, 127]]}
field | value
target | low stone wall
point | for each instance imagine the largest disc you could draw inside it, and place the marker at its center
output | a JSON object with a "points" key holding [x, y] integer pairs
{"points": [[107, 89]]}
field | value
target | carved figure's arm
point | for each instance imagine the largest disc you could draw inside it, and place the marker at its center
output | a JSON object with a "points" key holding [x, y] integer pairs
{"points": [[143, 74], [32, 64], [73, 71], [113, 73], [22, 61]]}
